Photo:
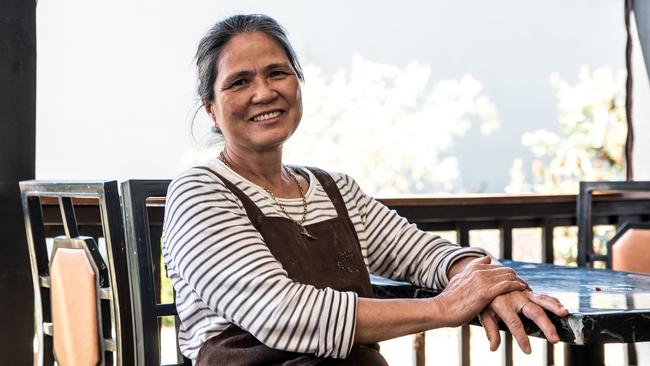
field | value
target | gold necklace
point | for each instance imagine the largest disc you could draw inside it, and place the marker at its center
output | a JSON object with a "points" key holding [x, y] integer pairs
{"points": [[300, 223]]}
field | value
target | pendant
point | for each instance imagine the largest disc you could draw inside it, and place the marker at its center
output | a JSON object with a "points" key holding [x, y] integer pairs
{"points": [[306, 233]]}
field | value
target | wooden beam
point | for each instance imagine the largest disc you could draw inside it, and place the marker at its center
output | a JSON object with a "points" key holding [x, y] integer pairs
{"points": [[17, 156]]}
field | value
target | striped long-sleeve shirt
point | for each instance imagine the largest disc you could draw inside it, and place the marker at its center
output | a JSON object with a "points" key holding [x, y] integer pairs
{"points": [[223, 272]]}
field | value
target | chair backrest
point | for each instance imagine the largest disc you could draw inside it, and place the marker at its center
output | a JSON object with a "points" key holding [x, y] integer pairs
{"points": [[77, 326], [588, 215], [108, 277], [141, 200], [630, 248]]}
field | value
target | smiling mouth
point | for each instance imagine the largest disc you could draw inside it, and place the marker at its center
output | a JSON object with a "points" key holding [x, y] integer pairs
{"points": [[266, 116]]}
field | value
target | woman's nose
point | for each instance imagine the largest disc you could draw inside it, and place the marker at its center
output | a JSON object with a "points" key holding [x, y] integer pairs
{"points": [[263, 92]]}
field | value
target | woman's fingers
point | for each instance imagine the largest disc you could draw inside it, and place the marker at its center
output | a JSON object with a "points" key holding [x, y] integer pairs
{"points": [[549, 303], [486, 263], [485, 279], [507, 276], [491, 326], [504, 287], [482, 266], [516, 327], [536, 313]]}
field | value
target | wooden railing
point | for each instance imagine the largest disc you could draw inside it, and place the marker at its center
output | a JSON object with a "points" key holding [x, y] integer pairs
{"points": [[461, 214]]}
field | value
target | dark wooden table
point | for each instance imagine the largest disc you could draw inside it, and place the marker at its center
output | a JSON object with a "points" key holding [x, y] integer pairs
{"points": [[604, 306]]}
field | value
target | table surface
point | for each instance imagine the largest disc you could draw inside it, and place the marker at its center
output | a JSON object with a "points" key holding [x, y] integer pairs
{"points": [[604, 306]]}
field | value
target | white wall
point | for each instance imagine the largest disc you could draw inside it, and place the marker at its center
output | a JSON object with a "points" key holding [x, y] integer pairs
{"points": [[115, 79]]}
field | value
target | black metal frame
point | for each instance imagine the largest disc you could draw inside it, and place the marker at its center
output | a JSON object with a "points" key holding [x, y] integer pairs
{"points": [[144, 269], [631, 350], [589, 214], [115, 294]]}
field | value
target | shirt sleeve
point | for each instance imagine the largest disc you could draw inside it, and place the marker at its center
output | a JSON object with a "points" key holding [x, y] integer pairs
{"points": [[397, 249], [210, 243]]}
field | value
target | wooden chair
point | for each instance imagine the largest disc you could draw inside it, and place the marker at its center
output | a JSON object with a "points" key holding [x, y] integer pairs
{"points": [[82, 301], [141, 200], [588, 214], [629, 249]]}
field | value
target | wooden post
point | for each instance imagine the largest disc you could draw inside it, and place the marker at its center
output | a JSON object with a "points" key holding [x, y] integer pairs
{"points": [[17, 155], [629, 140], [419, 352]]}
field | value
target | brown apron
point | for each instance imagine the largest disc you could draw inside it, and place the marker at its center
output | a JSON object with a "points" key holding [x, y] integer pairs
{"points": [[331, 260]]}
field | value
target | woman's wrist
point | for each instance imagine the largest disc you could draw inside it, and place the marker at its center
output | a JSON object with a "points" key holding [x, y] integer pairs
{"points": [[382, 319], [458, 266], [440, 317]]}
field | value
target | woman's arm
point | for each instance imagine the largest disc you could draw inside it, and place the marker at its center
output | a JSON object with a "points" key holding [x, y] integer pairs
{"points": [[479, 288], [399, 250], [465, 296]]}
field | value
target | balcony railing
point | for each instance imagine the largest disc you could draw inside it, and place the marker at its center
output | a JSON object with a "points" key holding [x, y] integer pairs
{"points": [[460, 214]]}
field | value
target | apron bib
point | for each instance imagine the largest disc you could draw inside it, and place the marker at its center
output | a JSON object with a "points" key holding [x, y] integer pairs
{"points": [[333, 259]]}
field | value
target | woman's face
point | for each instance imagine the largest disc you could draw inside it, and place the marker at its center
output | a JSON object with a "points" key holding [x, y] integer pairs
{"points": [[257, 101]]}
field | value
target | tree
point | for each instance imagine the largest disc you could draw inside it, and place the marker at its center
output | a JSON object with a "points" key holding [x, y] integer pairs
{"points": [[387, 126], [591, 143], [590, 146]]}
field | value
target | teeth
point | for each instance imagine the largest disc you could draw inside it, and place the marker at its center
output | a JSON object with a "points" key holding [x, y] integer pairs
{"points": [[265, 116]]}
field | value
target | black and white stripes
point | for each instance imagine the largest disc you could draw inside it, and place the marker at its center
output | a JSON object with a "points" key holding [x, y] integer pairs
{"points": [[224, 274]]}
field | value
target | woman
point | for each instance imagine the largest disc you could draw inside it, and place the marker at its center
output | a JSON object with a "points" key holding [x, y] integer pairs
{"points": [[270, 262]]}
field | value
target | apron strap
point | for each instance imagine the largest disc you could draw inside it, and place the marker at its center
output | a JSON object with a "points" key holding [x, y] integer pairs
{"points": [[332, 191], [252, 211]]}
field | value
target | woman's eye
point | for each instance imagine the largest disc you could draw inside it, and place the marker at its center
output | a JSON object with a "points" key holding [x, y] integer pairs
{"points": [[239, 82], [278, 73]]}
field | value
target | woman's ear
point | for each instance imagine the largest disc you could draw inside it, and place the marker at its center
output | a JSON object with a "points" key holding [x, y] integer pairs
{"points": [[208, 106]]}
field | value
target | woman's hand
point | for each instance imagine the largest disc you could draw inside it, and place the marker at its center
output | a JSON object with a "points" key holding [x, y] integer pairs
{"points": [[473, 288], [531, 305]]}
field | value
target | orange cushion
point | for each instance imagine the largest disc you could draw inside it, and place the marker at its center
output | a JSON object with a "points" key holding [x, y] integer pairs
{"points": [[631, 252], [74, 309]]}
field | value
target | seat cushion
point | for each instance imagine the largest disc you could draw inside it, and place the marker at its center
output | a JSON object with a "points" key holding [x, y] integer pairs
{"points": [[631, 252], [74, 309]]}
